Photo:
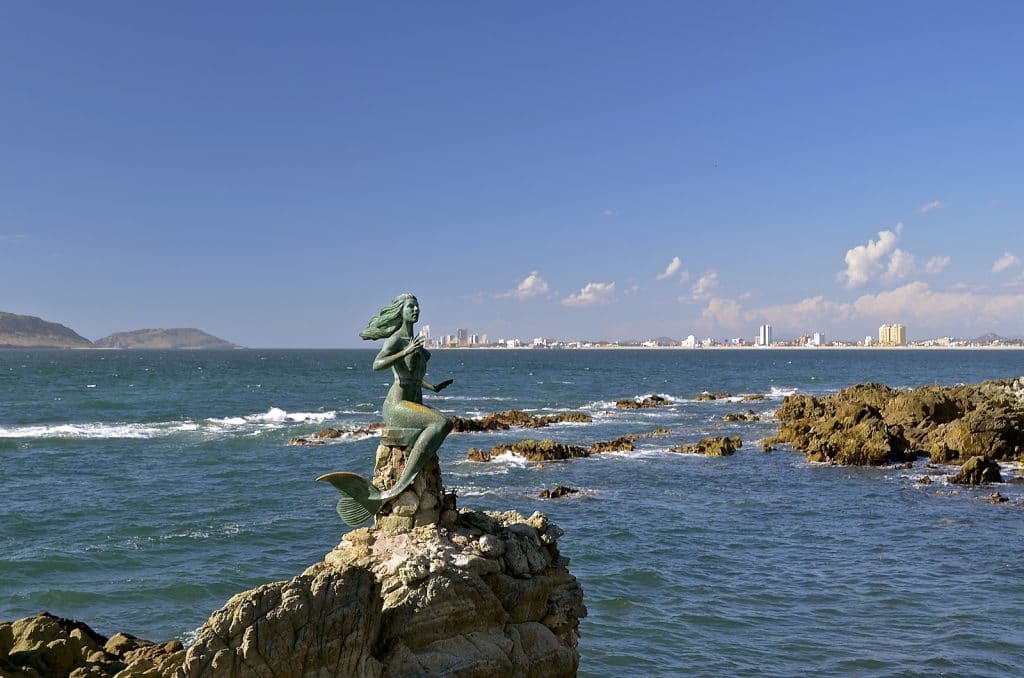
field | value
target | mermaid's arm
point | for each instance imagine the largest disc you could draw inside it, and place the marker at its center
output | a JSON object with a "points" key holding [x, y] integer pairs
{"points": [[440, 387], [390, 353]]}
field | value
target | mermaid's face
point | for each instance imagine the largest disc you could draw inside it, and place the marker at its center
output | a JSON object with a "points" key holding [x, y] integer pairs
{"points": [[411, 310]]}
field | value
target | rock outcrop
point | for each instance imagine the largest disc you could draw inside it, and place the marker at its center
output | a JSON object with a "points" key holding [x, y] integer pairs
{"points": [[550, 450], [331, 433], [490, 597], [502, 421], [642, 403], [977, 471], [711, 447], [872, 424], [44, 645]]}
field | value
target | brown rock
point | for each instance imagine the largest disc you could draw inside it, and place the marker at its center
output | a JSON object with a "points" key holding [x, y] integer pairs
{"points": [[646, 402], [557, 492], [977, 471], [712, 447]]}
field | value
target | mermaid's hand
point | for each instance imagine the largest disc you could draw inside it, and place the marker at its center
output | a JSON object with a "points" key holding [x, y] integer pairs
{"points": [[443, 385], [415, 344]]}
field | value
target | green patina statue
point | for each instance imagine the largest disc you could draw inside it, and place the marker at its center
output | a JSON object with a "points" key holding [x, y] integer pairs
{"points": [[408, 422]]}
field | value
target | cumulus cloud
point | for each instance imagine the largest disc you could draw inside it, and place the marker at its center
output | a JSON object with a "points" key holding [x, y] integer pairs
{"points": [[672, 268], [937, 264], [592, 293], [901, 264], [530, 286], [932, 206], [866, 262], [918, 305], [1005, 262]]}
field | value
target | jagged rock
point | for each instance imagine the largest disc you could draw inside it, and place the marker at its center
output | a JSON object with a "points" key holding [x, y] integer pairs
{"points": [[490, 597], [997, 498], [557, 492], [646, 402], [330, 433], [502, 421], [550, 450], [620, 444], [978, 471], [421, 503], [705, 397], [45, 645], [755, 397], [739, 416], [712, 447]]}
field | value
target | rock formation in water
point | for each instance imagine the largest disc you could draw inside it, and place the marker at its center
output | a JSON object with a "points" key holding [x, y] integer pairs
{"points": [[502, 421], [872, 424], [711, 447]]}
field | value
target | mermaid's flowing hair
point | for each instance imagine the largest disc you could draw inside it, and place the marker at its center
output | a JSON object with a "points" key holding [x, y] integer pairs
{"points": [[385, 323]]}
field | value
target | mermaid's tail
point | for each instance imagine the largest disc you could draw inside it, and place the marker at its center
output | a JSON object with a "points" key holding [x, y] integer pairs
{"points": [[360, 500]]}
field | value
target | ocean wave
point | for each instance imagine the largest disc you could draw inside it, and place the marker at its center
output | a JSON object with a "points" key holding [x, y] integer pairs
{"points": [[780, 392], [275, 415], [97, 430], [272, 418]]}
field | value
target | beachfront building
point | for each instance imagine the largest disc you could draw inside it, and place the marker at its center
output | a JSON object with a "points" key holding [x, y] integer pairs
{"points": [[690, 342], [462, 336], [892, 335], [817, 339], [764, 335]]}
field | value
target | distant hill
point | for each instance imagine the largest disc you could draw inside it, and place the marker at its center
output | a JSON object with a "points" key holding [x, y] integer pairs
{"points": [[28, 331], [180, 337], [992, 338]]}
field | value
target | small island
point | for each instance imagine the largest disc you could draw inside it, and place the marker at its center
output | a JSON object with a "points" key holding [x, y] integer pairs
{"points": [[175, 338]]}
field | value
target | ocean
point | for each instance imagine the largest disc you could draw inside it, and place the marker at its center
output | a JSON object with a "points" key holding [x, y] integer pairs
{"points": [[142, 489]]}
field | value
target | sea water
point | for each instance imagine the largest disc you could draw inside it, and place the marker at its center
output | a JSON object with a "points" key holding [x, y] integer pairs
{"points": [[139, 490]]}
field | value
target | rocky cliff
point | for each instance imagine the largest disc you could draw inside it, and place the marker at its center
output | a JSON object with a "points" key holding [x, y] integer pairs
{"points": [[26, 331]]}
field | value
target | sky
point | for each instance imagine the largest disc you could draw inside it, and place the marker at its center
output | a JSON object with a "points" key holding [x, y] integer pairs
{"points": [[274, 173]]}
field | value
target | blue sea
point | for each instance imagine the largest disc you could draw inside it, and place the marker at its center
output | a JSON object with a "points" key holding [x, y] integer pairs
{"points": [[141, 489]]}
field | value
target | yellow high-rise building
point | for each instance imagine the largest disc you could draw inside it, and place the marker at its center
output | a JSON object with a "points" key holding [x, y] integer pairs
{"points": [[892, 335]]}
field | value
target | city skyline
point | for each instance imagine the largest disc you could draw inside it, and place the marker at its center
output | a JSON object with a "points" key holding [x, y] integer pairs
{"points": [[274, 175]]}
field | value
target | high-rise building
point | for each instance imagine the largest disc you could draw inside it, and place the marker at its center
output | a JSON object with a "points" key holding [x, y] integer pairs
{"points": [[764, 335], [462, 336], [817, 339], [892, 335]]}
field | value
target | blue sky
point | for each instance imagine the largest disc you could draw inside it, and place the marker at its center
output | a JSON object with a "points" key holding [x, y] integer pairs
{"points": [[273, 173]]}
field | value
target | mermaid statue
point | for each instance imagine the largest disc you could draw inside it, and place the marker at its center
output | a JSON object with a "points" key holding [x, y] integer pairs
{"points": [[408, 422]]}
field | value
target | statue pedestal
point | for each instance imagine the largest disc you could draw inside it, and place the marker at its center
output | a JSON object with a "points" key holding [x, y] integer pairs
{"points": [[420, 503]]}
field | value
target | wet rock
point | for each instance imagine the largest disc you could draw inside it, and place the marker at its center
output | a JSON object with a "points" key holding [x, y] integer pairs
{"points": [[997, 498], [925, 480], [557, 492], [646, 402], [719, 395], [740, 416], [711, 447], [502, 421], [977, 471], [755, 397], [620, 444]]}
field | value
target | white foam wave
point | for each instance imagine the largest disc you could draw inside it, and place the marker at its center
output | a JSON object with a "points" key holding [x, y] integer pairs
{"points": [[97, 430], [781, 392], [275, 415]]}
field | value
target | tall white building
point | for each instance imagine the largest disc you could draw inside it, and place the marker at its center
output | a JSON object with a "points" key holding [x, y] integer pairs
{"points": [[892, 335], [817, 339], [764, 335], [690, 342]]}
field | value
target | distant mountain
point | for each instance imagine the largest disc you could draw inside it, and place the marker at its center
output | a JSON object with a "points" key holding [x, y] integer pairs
{"points": [[28, 331], [180, 337]]}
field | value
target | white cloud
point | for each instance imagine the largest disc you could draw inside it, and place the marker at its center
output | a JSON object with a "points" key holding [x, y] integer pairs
{"points": [[1005, 262], [931, 206], [724, 313], [530, 286], [864, 262], [901, 264], [937, 264], [592, 293], [707, 284], [672, 268]]}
